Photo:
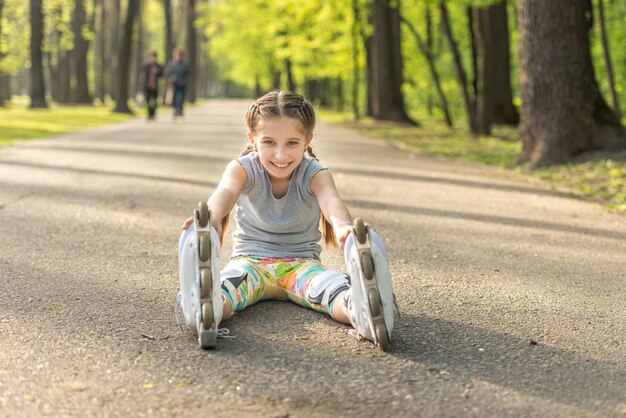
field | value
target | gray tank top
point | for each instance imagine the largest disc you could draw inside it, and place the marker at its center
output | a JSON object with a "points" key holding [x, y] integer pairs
{"points": [[283, 228]]}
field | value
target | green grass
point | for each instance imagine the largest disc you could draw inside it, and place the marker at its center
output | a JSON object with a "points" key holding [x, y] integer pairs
{"points": [[599, 176], [17, 122]]}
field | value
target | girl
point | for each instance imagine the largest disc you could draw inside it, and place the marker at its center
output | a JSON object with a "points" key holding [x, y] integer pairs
{"points": [[285, 201]]}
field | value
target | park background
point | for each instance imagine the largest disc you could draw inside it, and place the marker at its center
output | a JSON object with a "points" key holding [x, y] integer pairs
{"points": [[531, 86]]}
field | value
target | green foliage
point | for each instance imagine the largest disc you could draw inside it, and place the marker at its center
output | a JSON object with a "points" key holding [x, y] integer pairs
{"points": [[615, 22], [17, 122], [58, 25], [154, 23], [14, 42], [252, 39]]}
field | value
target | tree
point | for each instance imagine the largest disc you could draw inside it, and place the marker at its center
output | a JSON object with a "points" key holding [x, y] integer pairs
{"points": [[607, 59], [113, 47], [169, 44], [81, 47], [494, 99], [563, 113], [101, 51], [192, 51], [2, 83], [388, 101], [37, 88], [121, 97], [356, 77], [458, 66], [427, 52]]}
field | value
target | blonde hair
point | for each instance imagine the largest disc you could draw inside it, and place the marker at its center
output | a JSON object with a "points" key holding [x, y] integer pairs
{"points": [[277, 104]]}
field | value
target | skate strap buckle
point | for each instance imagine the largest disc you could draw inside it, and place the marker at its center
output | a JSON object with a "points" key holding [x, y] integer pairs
{"points": [[224, 333]]}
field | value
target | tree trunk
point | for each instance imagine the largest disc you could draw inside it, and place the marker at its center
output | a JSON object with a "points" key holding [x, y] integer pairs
{"points": [[443, 103], [258, 90], [100, 59], [458, 67], [291, 84], [64, 77], [192, 52], [311, 89], [124, 59], [276, 80], [5, 87], [356, 70], [2, 83], [114, 47], [137, 53], [388, 101], [37, 86], [339, 106], [473, 48], [429, 46], [81, 46], [607, 59], [169, 45], [562, 112], [369, 78], [494, 99]]}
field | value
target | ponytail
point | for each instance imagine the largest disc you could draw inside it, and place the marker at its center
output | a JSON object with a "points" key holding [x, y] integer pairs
{"points": [[225, 221], [326, 228], [328, 234]]}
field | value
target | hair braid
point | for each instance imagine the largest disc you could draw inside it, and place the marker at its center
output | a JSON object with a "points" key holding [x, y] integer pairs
{"points": [[309, 151]]}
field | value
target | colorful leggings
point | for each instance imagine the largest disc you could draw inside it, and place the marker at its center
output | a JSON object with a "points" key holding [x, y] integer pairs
{"points": [[305, 281]]}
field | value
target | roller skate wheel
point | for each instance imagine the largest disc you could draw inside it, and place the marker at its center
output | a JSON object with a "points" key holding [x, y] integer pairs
{"points": [[360, 231], [204, 247], [367, 264], [203, 214], [381, 335], [207, 316], [206, 283], [374, 300]]}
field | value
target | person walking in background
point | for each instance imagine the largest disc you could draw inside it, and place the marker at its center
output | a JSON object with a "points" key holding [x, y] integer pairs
{"points": [[177, 73], [150, 74]]}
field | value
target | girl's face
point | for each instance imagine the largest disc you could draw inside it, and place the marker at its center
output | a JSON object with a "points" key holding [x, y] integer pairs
{"points": [[280, 144]]}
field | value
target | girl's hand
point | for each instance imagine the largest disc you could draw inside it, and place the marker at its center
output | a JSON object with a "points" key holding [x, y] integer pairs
{"points": [[216, 225], [187, 222], [341, 234]]}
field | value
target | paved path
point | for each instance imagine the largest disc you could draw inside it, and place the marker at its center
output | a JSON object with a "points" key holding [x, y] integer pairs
{"points": [[513, 297]]}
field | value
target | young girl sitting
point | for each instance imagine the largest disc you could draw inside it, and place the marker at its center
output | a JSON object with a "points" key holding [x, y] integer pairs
{"points": [[285, 202]]}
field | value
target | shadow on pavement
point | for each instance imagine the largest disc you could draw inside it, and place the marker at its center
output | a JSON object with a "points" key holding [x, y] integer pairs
{"points": [[124, 152], [456, 182], [502, 220], [166, 179], [459, 350]]}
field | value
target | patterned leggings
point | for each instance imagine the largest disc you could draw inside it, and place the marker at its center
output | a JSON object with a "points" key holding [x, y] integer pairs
{"points": [[305, 281]]}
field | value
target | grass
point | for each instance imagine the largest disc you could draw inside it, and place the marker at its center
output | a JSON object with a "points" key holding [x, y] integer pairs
{"points": [[600, 176], [17, 122]]}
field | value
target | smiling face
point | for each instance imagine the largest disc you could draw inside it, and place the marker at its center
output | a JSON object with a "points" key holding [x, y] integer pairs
{"points": [[280, 144]]}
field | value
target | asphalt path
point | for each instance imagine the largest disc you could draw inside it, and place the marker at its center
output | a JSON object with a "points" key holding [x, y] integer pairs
{"points": [[513, 296]]}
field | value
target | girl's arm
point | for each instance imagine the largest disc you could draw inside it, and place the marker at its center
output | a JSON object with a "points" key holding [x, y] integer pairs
{"points": [[333, 208], [225, 195]]}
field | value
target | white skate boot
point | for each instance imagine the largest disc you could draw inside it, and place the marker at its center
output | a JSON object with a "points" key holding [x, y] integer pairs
{"points": [[371, 303], [200, 297]]}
